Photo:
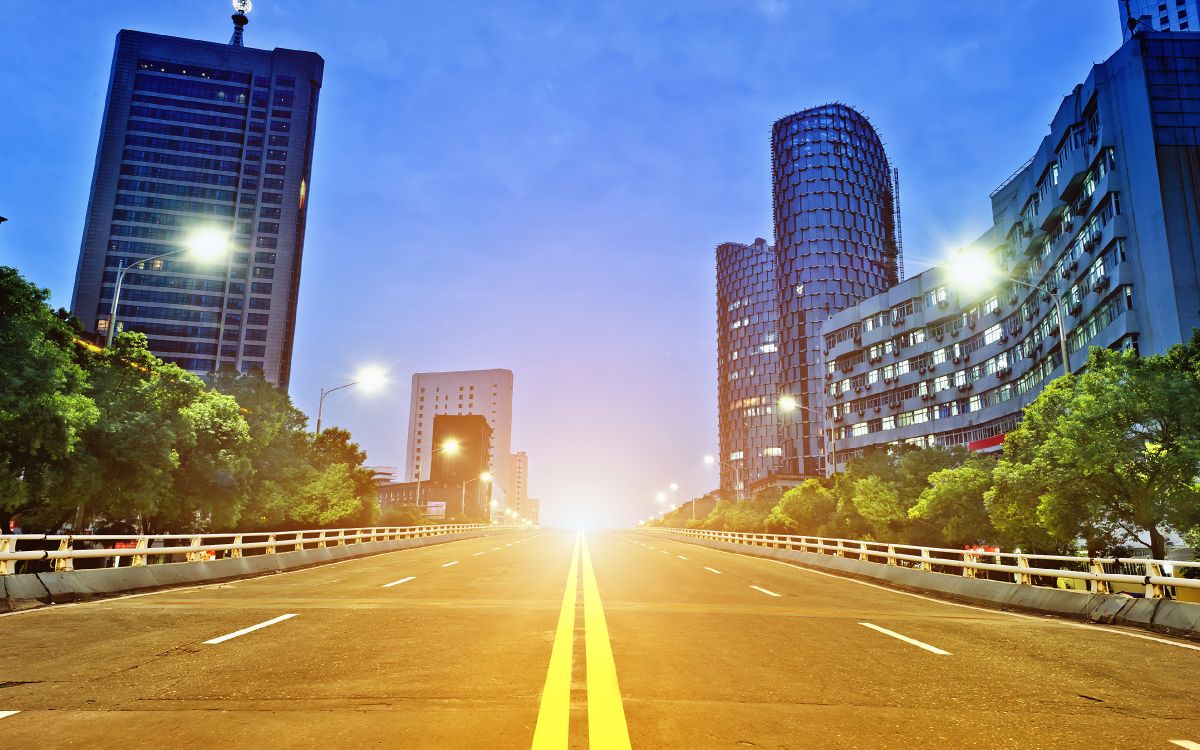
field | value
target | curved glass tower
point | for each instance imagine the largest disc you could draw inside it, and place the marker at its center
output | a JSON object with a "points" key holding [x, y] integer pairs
{"points": [[747, 347], [835, 240]]}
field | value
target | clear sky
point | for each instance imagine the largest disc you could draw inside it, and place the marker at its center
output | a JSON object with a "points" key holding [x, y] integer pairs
{"points": [[539, 185]]}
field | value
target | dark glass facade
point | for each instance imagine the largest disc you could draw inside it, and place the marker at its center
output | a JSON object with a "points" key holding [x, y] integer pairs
{"points": [[202, 136], [835, 240], [747, 359]]}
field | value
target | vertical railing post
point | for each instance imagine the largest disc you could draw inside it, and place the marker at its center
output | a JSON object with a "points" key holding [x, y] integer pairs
{"points": [[64, 564], [237, 550], [341, 538], [862, 552], [841, 549], [270, 544], [1155, 590], [195, 554], [970, 559], [7, 546], [1095, 585], [321, 540], [140, 559], [1023, 578], [926, 560], [298, 541], [891, 560]]}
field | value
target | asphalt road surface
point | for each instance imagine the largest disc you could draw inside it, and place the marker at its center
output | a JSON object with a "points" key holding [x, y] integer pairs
{"points": [[550, 639]]}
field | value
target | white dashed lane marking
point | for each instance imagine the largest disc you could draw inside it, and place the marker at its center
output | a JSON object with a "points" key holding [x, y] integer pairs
{"points": [[452, 562], [250, 629], [906, 639], [397, 583], [765, 591], [712, 570]]}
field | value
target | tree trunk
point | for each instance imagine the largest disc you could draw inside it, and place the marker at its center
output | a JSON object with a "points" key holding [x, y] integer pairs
{"points": [[1158, 543]]}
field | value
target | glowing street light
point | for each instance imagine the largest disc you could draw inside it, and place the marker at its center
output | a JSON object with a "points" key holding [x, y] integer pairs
{"points": [[205, 245], [661, 497], [450, 447], [737, 474], [674, 487], [484, 476], [974, 271], [370, 379]]}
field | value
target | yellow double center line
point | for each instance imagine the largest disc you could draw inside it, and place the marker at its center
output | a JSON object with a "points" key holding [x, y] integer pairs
{"points": [[606, 713]]}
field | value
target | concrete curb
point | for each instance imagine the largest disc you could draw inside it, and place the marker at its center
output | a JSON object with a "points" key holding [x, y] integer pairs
{"points": [[27, 590], [1165, 615]]}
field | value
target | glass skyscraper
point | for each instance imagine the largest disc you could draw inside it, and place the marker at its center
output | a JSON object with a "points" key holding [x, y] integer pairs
{"points": [[835, 240], [747, 351], [200, 136]]}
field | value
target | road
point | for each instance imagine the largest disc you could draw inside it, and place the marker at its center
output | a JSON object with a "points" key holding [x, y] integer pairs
{"points": [[653, 643]]}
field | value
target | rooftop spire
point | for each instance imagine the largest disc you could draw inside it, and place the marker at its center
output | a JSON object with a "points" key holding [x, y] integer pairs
{"points": [[241, 8]]}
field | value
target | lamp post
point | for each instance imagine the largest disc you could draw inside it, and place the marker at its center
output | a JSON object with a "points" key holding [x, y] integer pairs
{"points": [[450, 446], [974, 271], [788, 404], [737, 473], [485, 477], [370, 378], [206, 245]]}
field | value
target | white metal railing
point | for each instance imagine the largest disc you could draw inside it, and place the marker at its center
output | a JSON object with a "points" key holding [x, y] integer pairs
{"points": [[1100, 573], [65, 549]]}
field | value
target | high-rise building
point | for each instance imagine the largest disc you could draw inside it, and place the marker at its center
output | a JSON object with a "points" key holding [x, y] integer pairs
{"points": [[1103, 217], [466, 466], [487, 393], [1157, 15], [835, 239], [200, 136], [518, 481], [747, 363]]}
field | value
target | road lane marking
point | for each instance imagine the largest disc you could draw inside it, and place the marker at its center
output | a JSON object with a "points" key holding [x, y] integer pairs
{"points": [[477, 554], [681, 557], [606, 712], [765, 591], [1186, 744], [251, 629], [554, 714], [495, 548], [712, 570], [397, 583], [452, 562], [6, 714], [906, 639]]}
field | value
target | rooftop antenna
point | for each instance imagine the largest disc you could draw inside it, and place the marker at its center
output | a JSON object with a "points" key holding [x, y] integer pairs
{"points": [[241, 8]]}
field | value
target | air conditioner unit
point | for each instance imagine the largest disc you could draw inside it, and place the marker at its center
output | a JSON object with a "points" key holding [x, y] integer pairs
{"points": [[957, 360], [1003, 339], [966, 357], [877, 408], [996, 310], [923, 370]]}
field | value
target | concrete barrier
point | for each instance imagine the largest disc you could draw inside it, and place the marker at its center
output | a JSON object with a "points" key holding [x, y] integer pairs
{"points": [[26, 590], [1165, 615]]}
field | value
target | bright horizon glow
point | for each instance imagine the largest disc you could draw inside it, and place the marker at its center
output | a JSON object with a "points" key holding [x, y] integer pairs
{"points": [[208, 245]]}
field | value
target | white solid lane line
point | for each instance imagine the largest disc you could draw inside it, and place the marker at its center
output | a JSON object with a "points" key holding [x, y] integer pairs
{"points": [[765, 591], [6, 714], [397, 583], [453, 562], [681, 557], [1186, 744], [250, 629], [906, 639], [712, 570]]}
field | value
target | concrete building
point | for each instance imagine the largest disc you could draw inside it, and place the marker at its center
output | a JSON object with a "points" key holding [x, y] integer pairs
{"points": [[533, 510], [836, 245], [518, 481], [487, 393], [1157, 15], [747, 363], [436, 499], [1103, 217], [200, 136]]}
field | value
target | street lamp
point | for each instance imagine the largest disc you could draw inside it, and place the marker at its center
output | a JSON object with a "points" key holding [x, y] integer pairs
{"points": [[205, 245], [737, 473], [789, 404], [485, 477], [450, 447], [973, 271], [370, 379]]}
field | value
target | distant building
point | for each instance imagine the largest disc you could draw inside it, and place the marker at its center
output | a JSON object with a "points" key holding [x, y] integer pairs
{"points": [[533, 510], [465, 466], [1103, 216], [836, 244], [200, 136], [437, 499], [747, 363], [518, 481], [487, 393], [1157, 15]]}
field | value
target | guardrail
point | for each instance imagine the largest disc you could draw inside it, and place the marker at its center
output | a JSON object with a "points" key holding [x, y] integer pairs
{"points": [[1101, 574], [144, 549]]}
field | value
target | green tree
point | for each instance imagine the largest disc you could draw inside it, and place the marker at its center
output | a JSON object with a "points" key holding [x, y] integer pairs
{"points": [[879, 503], [807, 509], [44, 407], [1113, 452], [953, 504]]}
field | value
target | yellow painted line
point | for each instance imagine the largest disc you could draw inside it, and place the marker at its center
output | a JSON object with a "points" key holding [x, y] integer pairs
{"points": [[606, 713], [554, 714]]}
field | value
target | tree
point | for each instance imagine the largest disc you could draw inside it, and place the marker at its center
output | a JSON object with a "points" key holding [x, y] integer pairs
{"points": [[806, 509], [879, 503], [44, 408], [1111, 453], [953, 504]]}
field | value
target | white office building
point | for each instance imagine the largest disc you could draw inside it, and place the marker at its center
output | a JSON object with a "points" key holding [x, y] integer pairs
{"points": [[487, 393]]}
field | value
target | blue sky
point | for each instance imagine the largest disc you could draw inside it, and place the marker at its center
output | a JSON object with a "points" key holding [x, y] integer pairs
{"points": [[539, 186]]}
